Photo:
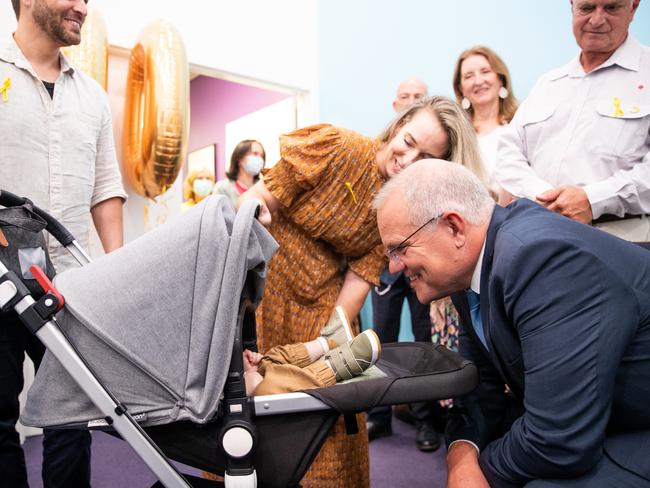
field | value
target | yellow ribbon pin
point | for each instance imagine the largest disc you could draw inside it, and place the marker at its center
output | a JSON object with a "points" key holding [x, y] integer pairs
{"points": [[618, 112], [348, 185], [4, 89]]}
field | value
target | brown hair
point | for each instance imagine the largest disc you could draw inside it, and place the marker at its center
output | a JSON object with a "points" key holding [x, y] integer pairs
{"points": [[508, 105], [238, 154], [463, 145], [16, 5]]}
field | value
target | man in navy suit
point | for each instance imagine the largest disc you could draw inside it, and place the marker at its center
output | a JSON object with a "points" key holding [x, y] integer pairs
{"points": [[556, 316]]}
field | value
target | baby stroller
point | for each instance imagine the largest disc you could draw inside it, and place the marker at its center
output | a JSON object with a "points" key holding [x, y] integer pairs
{"points": [[148, 345]]}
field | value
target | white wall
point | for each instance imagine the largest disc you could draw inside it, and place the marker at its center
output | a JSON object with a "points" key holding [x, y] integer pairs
{"points": [[268, 40], [264, 125]]}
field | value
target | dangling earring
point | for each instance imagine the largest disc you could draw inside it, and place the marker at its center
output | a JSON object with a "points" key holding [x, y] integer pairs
{"points": [[465, 103], [503, 92]]}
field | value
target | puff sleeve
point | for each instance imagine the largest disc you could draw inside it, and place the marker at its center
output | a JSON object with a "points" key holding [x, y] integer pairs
{"points": [[305, 155]]}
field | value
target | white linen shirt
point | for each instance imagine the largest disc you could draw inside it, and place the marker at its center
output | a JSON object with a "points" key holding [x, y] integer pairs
{"points": [[59, 152], [591, 130]]}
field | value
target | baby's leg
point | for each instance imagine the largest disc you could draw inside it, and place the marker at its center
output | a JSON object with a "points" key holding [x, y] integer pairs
{"points": [[252, 380], [287, 378]]}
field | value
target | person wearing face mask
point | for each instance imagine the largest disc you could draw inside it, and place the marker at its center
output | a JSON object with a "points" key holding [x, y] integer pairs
{"points": [[198, 185], [482, 86], [246, 164], [316, 202]]}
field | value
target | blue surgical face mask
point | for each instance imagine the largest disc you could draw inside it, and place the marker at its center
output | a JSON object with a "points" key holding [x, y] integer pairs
{"points": [[202, 187], [253, 165]]}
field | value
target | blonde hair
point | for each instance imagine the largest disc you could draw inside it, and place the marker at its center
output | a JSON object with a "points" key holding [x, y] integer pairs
{"points": [[463, 145], [507, 106], [188, 184]]}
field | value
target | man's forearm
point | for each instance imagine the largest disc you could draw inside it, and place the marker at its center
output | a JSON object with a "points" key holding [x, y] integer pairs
{"points": [[107, 217], [463, 467]]}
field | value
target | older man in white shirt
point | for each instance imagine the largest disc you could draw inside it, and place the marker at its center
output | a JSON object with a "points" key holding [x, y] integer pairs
{"points": [[580, 143]]}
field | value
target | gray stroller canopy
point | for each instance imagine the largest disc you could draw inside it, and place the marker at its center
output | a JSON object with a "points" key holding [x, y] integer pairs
{"points": [[155, 320]]}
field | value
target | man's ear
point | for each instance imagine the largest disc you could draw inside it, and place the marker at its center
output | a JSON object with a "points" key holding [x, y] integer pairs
{"points": [[456, 226]]}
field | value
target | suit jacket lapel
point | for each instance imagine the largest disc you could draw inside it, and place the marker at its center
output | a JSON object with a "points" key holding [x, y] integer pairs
{"points": [[498, 216]]}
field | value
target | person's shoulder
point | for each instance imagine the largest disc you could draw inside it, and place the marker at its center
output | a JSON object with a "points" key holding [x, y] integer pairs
{"points": [[526, 222], [89, 86], [645, 54], [224, 184], [6, 49], [309, 139], [555, 73]]}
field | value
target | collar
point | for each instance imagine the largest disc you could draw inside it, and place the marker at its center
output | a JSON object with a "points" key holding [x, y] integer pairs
{"points": [[11, 53], [476, 276], [240, 188], [627, 56]]}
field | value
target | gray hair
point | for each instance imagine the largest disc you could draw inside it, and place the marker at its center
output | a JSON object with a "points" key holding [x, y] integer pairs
{"points": [[431, 187]]}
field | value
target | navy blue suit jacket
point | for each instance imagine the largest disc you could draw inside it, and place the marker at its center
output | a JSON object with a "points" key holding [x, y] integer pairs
{"points": [[566, 314]]}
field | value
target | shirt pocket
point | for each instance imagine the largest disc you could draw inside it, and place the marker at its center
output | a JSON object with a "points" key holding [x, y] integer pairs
{"points": [[81, 130], [533, 124], [79, 153], [621, 128]]}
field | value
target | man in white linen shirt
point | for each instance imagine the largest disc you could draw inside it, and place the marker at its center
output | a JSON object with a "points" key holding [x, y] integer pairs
{"points": [[580, 143], [57, 149]]}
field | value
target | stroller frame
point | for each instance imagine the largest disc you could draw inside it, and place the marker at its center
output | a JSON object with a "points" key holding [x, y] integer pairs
{"points": [[237, 436], [233, 435], [38, 317]]}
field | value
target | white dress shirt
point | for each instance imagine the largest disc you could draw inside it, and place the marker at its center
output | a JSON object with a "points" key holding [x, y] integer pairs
{"points": [[586, 129], [475, 286], [59, 152]]}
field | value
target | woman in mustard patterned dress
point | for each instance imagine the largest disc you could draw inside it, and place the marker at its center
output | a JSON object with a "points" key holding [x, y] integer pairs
{"points": [[319, 195]]}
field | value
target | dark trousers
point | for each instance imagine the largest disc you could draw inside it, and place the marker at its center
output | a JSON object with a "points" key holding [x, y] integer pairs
{"points": [[66, 453], [606, 474], [386, 312]]}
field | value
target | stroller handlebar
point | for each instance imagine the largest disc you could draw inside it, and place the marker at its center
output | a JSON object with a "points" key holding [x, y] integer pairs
{"points": [[54, 227], [8, 199]]}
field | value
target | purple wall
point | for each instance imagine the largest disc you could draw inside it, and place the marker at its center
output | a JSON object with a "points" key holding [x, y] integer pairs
{"points": [[215, 102]]}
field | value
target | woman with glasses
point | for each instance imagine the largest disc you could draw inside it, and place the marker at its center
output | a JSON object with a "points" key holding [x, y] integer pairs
{"points": [[317, 204]]}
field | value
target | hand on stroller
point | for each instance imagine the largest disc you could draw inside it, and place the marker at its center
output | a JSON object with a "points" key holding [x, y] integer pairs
{"points": [[267, 202]]}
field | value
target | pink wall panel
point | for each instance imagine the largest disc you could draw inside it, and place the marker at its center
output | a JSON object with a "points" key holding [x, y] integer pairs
{"points": [[215, 102]]}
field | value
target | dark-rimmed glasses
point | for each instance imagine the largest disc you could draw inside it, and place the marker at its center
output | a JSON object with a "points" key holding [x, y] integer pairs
{"points": [[395, 253]]}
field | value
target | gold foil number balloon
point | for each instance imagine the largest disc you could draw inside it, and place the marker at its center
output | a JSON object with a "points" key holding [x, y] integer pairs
{"points": [[91, 55], [156, 112]]}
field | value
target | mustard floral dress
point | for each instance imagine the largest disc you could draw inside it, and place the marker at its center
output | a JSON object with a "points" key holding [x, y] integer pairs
{"points": [[326, 180]]}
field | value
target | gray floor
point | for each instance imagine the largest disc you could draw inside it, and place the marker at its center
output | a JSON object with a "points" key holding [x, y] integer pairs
{"points": [[395, 462]]}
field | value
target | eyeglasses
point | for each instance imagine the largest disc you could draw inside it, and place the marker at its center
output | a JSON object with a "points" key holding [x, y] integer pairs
{"points": [[395, 253]]}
